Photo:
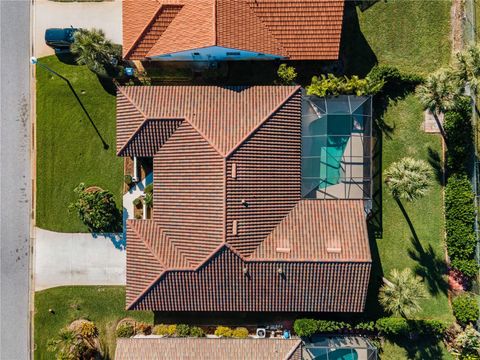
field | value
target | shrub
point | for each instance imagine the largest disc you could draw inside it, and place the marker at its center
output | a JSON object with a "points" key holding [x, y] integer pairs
{"points": [[460, 218], [459, 139], [332, 85], [223, 331], [403, 327], [196, 331], [125, 330], [459, 198], [465, 309], [137, 201], [88, 329], [305, 327], [287, 74], [128, 180], [468, 267], [466, 345], [97, 210], [144, 328], [96, 52], [148, 200], [165, 330], [325, 326], [240, 332], [367, 326], [148, 189], [393, 78], [183, 330]]}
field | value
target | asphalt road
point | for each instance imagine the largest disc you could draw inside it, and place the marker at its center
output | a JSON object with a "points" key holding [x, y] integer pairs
{"points": [[15, 179]]}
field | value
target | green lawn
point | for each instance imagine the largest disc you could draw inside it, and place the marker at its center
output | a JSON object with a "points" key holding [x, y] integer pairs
{"points": [[104, 305], [416, 349], [69, 151], [412, 35], [399, 247]]}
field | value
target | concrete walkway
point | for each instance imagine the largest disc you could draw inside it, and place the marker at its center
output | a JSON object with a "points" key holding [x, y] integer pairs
{"points": [[78, 259], [105, 15]]}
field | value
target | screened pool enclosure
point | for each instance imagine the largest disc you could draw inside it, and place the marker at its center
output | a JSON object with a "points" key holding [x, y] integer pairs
{"points": [[339, 348], [336, 147]]}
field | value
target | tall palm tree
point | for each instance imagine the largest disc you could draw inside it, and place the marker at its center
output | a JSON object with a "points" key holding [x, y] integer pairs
{"points": [[439, 93], [94, 50], [408, 179], [401, 294], [468, 67]]}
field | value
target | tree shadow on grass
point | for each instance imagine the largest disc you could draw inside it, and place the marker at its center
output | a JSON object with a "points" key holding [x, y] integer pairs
{"points": [[435, 162], [421, 348], [429, 266]]}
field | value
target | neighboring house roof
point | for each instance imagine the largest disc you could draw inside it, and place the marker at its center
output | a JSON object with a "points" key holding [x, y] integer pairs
{"points": [[207, 349], [228, 212], [298, 30]]}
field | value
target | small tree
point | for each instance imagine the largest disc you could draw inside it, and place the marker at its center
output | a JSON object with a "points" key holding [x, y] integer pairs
{"points": [[408, 179], [287, 74], [97, 209], [96, 52], [401, 294], [71, 344], [439, 93]]}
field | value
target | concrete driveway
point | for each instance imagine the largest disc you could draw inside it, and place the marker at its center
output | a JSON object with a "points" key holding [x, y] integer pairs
{"points": [[78, 259], [106, 15]]}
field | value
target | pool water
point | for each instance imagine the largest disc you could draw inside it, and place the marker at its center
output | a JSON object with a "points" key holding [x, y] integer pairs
{"points": [[338, 354]]}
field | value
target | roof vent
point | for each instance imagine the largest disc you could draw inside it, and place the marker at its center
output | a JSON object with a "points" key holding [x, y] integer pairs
{"points": [[280, 270], [283, 249], [234, 227], [245, 270], [244, 203], [334, 250], [234, 170]]}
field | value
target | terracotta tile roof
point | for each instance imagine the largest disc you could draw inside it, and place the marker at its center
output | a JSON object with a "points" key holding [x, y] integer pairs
{"points": [[228, 283], [328, 230], [299, 30], [227, 183], [224, 116], [207, 349]]}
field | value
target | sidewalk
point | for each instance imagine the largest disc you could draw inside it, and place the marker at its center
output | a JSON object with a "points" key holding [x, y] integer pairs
{"points": [[78, 259], [105, 15]]}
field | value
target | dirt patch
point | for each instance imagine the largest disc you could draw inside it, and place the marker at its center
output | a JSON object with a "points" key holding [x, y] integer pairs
{"points": [[456, 18], [93, 189]]}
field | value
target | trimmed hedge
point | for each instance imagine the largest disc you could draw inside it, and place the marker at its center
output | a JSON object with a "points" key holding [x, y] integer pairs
{"points": [[465, 309], [402, 327], [460, 218], [386, 326]]}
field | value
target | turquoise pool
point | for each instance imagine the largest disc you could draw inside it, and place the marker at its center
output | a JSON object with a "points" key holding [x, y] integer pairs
{"points": [[338, 354]]}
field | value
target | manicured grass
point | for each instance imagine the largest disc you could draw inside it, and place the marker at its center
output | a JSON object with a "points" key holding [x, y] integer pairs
{"points": [[398, 247], [412, 35], [104, 305], [415, 349], [69, 151]]}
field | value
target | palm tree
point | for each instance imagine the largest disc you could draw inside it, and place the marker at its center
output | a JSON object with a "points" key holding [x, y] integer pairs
{"points": [[439, 93], [94, 50], [65, 344], [468, 67], [401, 294], [408, 179]]}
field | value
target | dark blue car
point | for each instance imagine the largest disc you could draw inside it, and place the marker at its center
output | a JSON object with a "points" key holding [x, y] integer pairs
{"points": [[60, 39]]}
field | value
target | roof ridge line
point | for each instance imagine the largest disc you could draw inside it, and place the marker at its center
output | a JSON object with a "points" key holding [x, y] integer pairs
{"points": [[142, 33], [292, 350], [121, 89], [256, 127], [134, 228], [215, 18], [214, 147], [144, 122], [277, 42], [167, 270]]}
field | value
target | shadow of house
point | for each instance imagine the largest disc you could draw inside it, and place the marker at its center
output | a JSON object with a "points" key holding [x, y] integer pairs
{"points": [[356, 55]]}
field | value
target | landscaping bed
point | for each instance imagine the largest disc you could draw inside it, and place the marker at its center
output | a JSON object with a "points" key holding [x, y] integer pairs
{"points": [[69, 149], [104, 305]]}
